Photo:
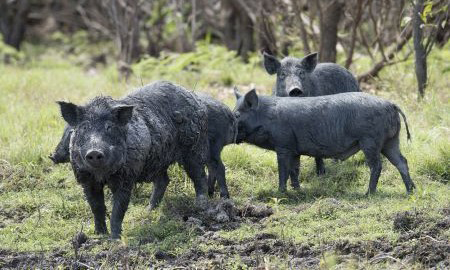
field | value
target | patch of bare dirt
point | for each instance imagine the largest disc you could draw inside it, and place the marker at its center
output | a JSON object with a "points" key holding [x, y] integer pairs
{"points": [[251, 252], [405, 221], [224, 215], [421, 241], [12, 216]]}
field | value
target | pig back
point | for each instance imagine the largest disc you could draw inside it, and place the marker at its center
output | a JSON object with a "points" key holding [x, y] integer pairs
{"points": [[330, 78]]}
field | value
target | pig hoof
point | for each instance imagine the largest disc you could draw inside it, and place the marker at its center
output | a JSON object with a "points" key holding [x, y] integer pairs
{"points": [[152, 207], [115, 237], [411, 189], [201, 202], [101, 231], [320, 171]]}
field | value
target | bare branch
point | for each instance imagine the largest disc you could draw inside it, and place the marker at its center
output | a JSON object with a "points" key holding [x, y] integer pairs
{"points": [[373, 72]]}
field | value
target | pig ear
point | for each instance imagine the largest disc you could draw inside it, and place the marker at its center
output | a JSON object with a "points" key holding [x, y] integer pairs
{"points": [[251, 99], [123, 113], [271, 63], [70, 112], [310, 61], [236, 93]]}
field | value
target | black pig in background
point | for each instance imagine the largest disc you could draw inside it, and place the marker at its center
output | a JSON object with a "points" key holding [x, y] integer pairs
{"points": [[333, 126]]}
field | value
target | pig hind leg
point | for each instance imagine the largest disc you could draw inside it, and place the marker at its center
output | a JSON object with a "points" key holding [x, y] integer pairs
{"points": [[216, 171], [195, 169], [211, 177], [391, 150], [159, 188], [320, 166], [371, 151], [294, 172]]}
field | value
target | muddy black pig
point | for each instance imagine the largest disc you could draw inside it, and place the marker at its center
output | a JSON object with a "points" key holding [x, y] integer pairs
{"points": [[333, 126], [304, 77], [222, 129], [117, 143]]}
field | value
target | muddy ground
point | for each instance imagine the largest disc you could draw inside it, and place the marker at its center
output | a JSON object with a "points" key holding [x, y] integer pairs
{"points": [[421, 242]]}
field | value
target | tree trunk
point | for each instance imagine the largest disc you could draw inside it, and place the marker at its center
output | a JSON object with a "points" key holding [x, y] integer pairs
{"points": [[373, 72], [330, 14], [266, 35], [356, 20], [238, 33], [303, 33], [13, 18], [125, 19], [419, 50], [246, 43]]}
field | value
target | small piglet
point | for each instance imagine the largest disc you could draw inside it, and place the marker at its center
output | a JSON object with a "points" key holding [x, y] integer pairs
{"points": [[333, 126], [117, 143]]}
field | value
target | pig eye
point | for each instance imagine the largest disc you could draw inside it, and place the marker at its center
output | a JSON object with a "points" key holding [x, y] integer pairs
{"points": [[84, 127], [108, 127], [282, 75]]}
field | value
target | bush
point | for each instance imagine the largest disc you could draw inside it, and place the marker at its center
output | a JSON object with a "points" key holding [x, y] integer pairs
{"points": [[9, 54]]}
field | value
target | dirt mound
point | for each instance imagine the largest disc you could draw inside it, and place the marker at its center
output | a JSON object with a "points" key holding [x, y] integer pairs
{"points": [[405, 221], [251, 252], [224, 215], [32, 260], [367, 249], [422, 239], [424, 249]]}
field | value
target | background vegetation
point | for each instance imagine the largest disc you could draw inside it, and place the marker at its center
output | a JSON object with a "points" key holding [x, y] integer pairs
{"points": [[329, 223]]}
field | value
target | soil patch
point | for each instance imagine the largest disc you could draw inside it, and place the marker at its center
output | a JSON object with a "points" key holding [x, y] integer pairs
{"points": [[421, 241]]}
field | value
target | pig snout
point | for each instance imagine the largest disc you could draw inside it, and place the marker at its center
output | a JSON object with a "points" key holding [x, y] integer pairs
{"points": [[295, 92], [294, 86], [95, 158]]}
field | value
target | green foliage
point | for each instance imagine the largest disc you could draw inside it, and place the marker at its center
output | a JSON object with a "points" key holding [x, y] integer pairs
{"points": [[207, 65], [9, 54], [426, 11]]}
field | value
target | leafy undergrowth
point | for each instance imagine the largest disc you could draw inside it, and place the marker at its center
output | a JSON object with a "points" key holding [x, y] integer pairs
{"points": [[328, 223]]}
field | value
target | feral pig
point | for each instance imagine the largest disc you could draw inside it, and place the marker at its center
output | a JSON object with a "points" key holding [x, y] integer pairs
{"points": [[333, 126], [120, 142], [306, 78], [222, 129]]}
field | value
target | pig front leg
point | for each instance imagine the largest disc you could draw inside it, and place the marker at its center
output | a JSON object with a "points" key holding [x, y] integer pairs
{"points": [[96, 199], [121, 199], [295, 172], [284, 159]]}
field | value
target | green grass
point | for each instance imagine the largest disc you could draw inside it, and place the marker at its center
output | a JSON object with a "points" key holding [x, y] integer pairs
{"points": [[42, 207]]}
